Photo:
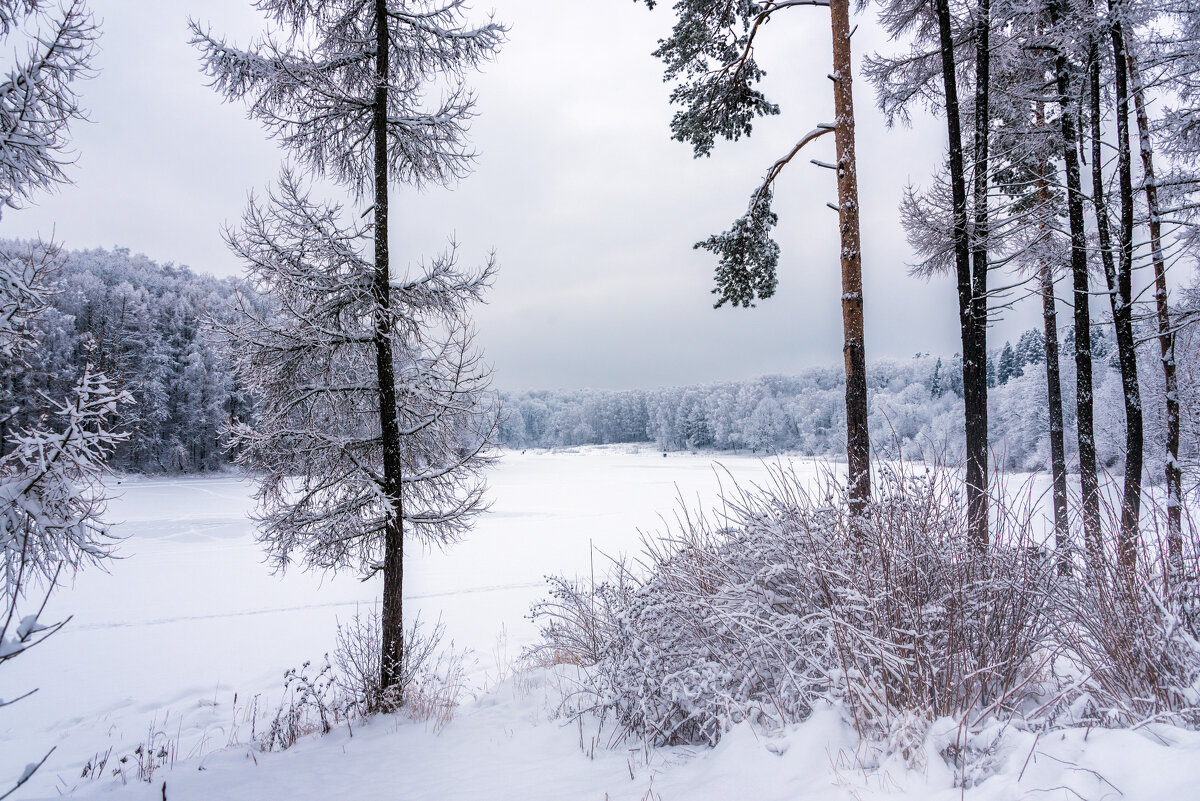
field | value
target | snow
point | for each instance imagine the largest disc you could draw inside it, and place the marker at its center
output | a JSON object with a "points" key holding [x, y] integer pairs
{"points": [[190, 616]]}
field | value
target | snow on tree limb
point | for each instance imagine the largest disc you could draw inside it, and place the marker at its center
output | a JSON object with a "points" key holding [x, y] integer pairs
{"points": [[311, 83], [311, 363], [37, 98]]}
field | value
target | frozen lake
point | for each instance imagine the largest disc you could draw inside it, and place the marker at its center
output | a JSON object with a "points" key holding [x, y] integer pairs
{"points": [[190, 615]]}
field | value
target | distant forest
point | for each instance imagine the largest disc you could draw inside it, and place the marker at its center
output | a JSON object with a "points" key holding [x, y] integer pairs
{"points": [[916, 408], [144, 325]]}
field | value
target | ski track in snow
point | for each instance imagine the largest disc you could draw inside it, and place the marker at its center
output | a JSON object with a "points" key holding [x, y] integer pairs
{"points": [[303, 608]]}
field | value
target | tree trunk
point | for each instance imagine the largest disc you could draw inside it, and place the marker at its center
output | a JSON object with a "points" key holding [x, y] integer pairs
{"points": [[974, 357], [858, 442], [1058, 458], [1083, 325], [1166, 337], [979, 258], [392, 623], [1122, 305]]}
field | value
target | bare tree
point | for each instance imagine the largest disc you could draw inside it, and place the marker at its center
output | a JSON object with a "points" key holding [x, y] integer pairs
{"points": [[710, 53], [341, 84]]}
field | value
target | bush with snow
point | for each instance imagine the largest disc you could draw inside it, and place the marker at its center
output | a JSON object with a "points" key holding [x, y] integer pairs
{"points": [[349, 686], [781, 602], [1135, 637]]}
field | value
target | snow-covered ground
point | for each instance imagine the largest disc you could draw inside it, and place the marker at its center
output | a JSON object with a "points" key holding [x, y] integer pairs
{"points": [[191, 616]]}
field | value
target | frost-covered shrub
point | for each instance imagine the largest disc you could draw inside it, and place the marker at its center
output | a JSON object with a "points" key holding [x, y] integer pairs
{"points": [[780, 601], [349, 686], [431, 673], [1136, 638], [578, 622], [310, 704]]}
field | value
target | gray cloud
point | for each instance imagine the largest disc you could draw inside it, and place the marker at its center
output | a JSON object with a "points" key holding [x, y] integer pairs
{"points": [[591, 207]]}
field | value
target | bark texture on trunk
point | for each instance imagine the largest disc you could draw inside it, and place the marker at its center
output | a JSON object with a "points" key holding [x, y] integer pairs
{"points": [[1058, 457], [1122, 305], [978, 516], [974, 354], [1054, 405], [858, 443], [1166, 336], [1090, 502], [392, 623]]}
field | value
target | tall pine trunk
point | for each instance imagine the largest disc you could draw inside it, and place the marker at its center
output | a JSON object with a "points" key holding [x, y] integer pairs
{"points": [[974, 356], [1058, 458], [858, 442], [978, 516], [1166, 337], [1121, 295], [1088, 483], [392, 623], [1054, 405]]}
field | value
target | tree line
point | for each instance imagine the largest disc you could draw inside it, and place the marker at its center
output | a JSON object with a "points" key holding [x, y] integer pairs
{"points": [[914, 407], [145, 326]]}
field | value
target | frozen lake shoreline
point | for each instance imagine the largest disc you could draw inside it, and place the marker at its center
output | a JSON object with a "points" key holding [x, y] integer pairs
{"points": [[190, 625], [190, 615]]}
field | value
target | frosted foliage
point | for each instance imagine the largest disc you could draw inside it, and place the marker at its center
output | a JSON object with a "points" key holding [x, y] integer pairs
{"points": [[50, 497], [311, 80], [53, 46], [311, 363], [50, 494], [22, 298], [915, 410], [775, 604]]}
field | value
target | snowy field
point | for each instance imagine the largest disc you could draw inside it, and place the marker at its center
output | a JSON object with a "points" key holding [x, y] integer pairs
{"points": [[191, 616]]}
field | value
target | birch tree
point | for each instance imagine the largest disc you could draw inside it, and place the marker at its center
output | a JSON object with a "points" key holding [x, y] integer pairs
{"points": [[382, 416], [710, 54]]}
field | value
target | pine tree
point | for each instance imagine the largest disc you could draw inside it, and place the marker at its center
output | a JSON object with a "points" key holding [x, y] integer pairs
{"points": [[1063, 25], [1118, 272], [1006, 366], [711, 54], [384, 386], [1166, 334], [1031, 347]]}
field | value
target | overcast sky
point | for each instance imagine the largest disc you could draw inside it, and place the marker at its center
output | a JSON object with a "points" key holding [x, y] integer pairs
{"points": [[590, 205]]}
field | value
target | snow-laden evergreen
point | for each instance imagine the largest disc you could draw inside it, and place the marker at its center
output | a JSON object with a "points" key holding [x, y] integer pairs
{"points": [[373, 393], [315, 439]]}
